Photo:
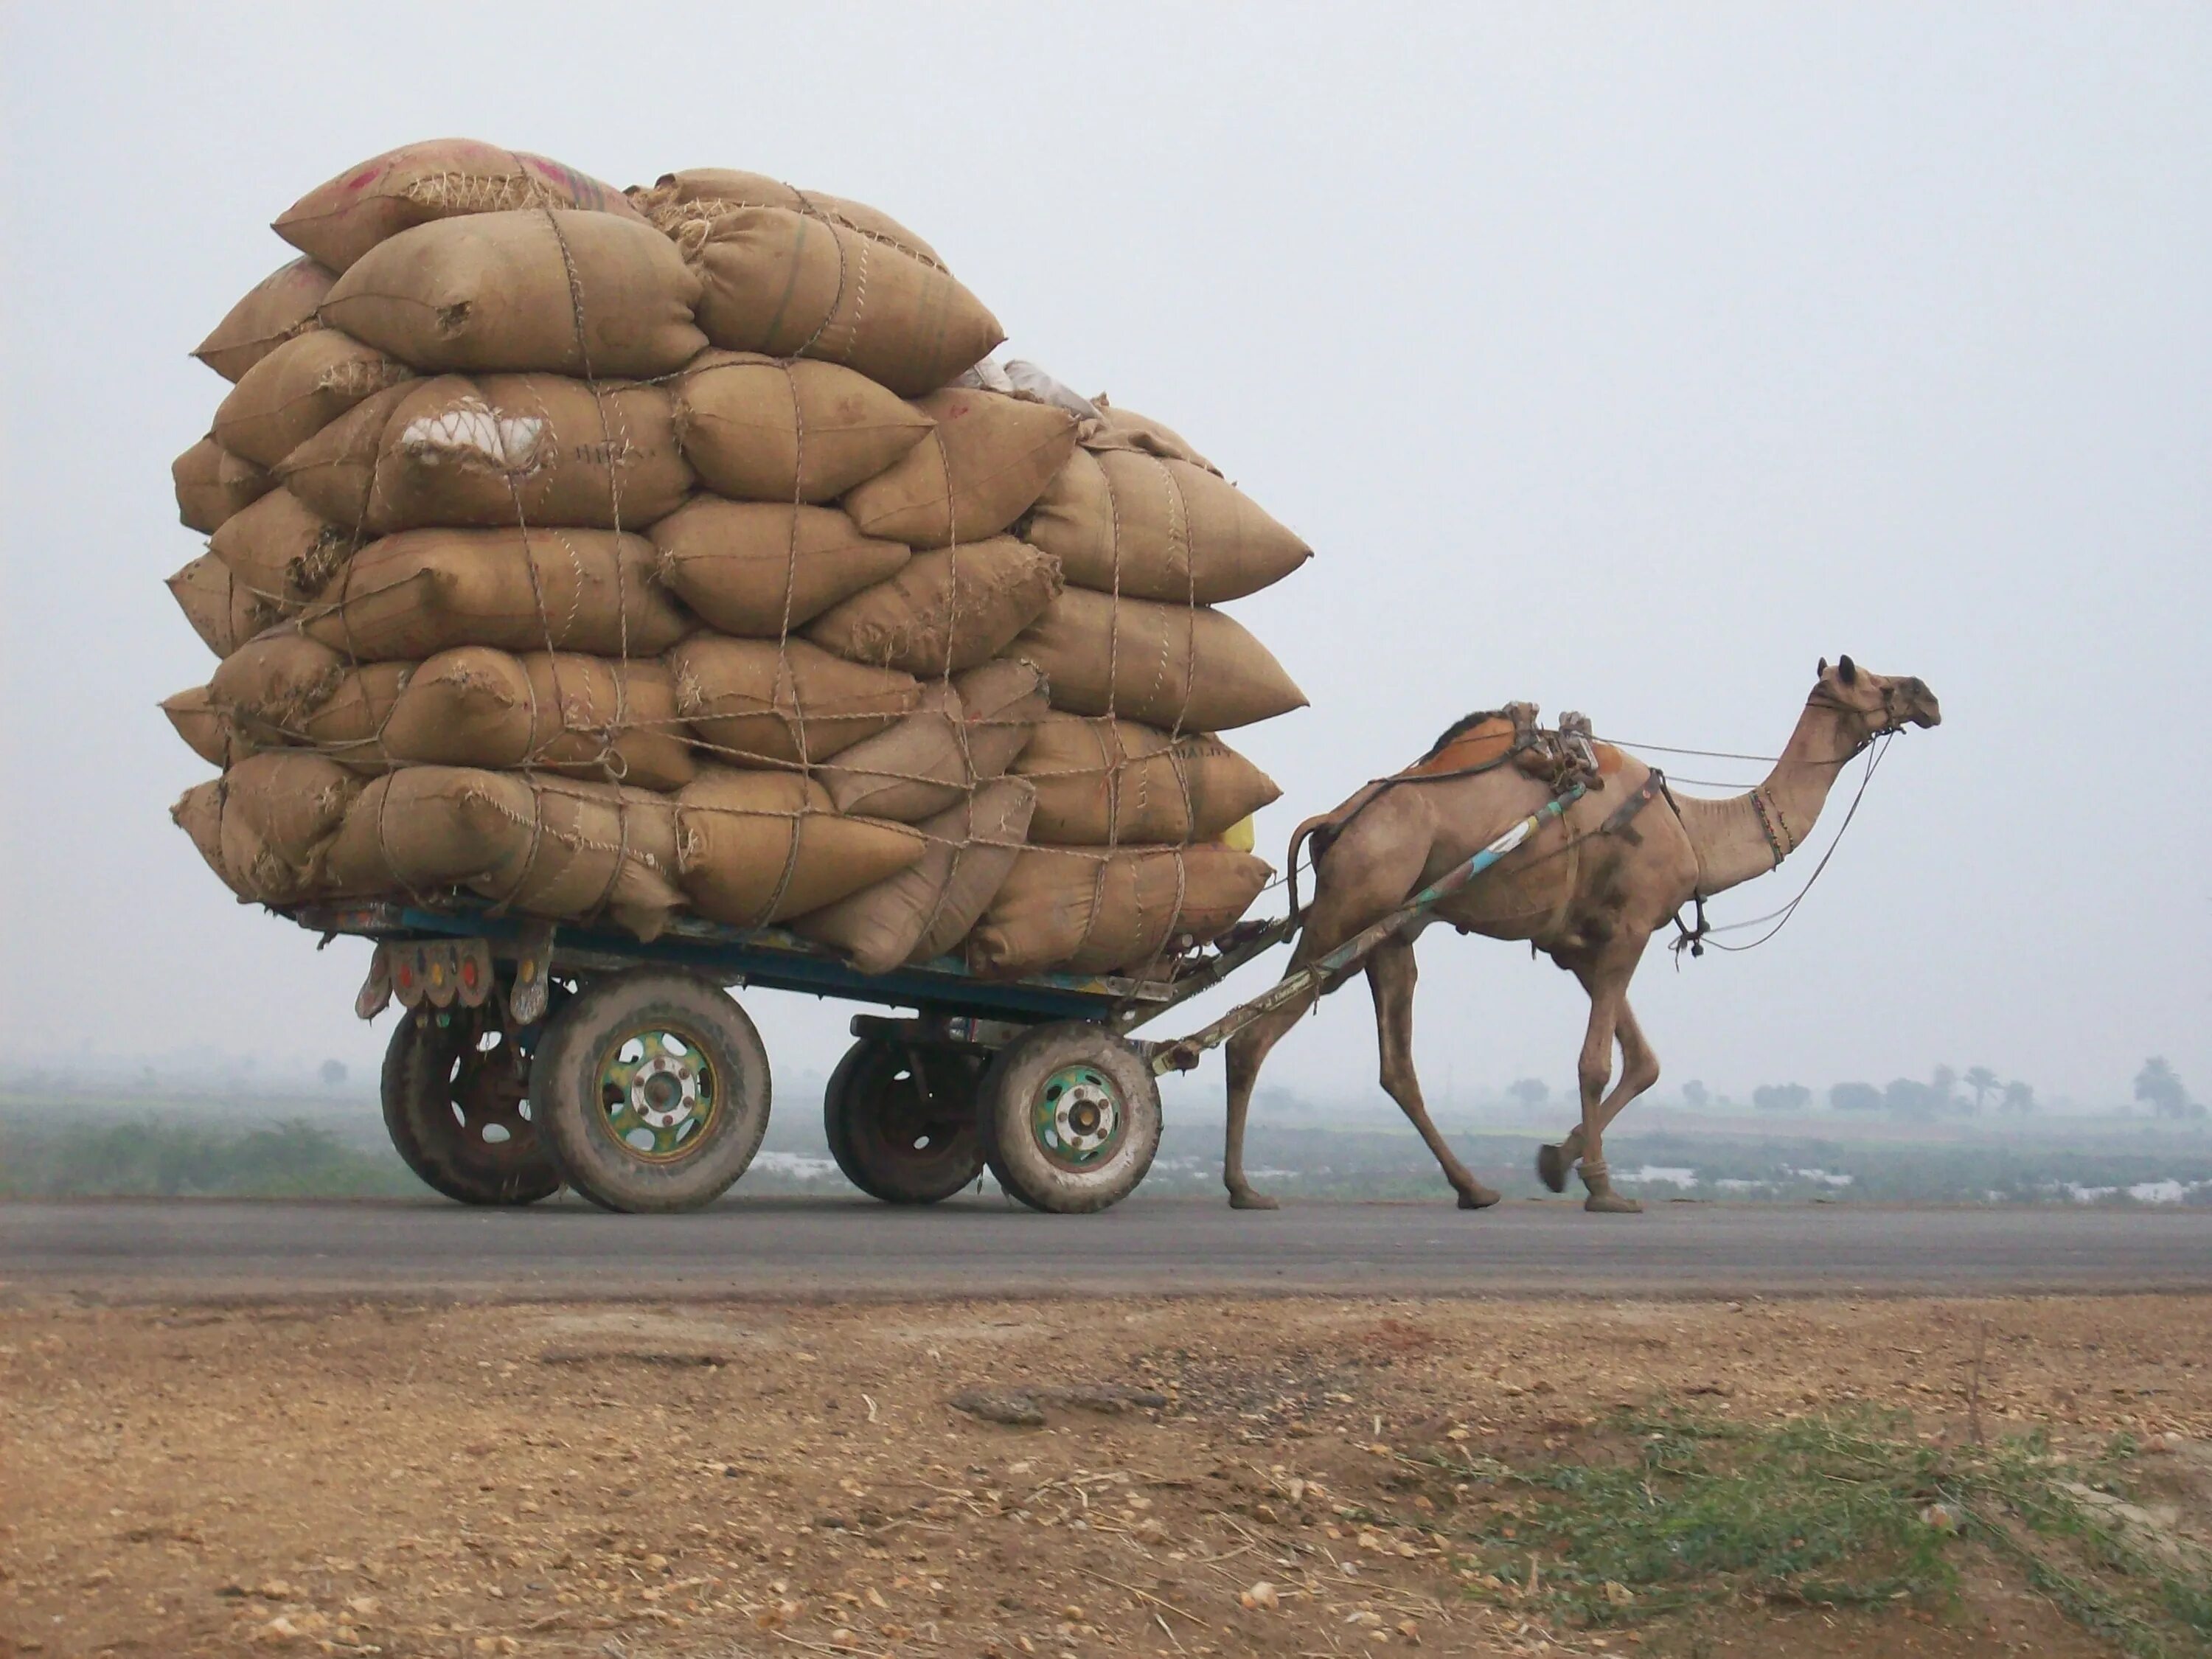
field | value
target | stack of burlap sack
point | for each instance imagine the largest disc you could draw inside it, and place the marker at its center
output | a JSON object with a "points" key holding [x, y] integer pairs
{"points": [[610, 555]]}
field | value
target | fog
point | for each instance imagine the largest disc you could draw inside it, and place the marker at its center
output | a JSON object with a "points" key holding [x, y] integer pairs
{"points": [[1619, 359]]}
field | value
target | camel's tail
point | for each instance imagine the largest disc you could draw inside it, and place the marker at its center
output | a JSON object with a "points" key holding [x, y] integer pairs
{"points": [[1311, 826]]}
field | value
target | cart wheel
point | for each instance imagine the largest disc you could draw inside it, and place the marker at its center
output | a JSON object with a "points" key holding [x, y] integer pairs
{"points": [[1070, 1117], [900, 1121], [456, 1106], [654, 1090]]}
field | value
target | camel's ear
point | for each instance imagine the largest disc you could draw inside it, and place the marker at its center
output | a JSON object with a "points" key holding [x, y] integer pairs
{"points": [[1847, 670], [1822, 672]]}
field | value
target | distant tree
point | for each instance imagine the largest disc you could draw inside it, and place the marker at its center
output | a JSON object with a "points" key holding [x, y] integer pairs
{"points": [[1696, 1095], [2158, 1087], [333, 1073], [1944, 1083], [1781, 1096], [1531, 1091], [1981, 1080], [1906, 1097], [1855, 1097], [2019, 1097]]}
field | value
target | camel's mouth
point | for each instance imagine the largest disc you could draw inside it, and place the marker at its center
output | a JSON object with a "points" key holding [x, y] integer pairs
{"points": [[1914, 704]]}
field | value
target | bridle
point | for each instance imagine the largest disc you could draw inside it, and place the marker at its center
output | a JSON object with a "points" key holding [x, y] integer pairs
{"points": [[1891, 721]]}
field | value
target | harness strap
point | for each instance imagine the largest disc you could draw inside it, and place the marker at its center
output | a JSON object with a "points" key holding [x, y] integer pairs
{"points": [[1689, 939], [1621, 821]]}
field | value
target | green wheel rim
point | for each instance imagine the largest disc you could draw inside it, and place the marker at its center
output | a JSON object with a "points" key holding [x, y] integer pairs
{"points": [[658, 1094], [1078, 1119]]}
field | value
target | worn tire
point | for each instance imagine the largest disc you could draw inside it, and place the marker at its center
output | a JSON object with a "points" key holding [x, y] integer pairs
{"points": [[652, 1089], [1070, 1116], [443, 1087], [885, 1140]]}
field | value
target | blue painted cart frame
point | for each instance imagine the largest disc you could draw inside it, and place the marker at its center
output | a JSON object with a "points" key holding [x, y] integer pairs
{"points": [[777, 960]]}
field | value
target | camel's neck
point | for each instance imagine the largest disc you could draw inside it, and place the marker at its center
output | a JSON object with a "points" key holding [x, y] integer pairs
{"points": [[1736, 838]]}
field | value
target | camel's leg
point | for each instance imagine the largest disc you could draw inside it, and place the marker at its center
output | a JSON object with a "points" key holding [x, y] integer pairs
{"points": [[1359, 881], [1607, 984], [1246, 1050], [1639, 1070], [1391, 975], [1639, 1067]]}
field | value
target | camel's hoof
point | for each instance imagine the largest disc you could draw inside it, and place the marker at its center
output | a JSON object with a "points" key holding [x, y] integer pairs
{"points": [[1611, 1204], [1248, 1200], [1480, 1199], [1551, 1168]]}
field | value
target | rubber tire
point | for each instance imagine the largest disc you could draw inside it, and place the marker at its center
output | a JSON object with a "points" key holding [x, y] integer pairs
{"points": [[1022, 1069], [851, 1122], [565, 1091], [414, 1091]]}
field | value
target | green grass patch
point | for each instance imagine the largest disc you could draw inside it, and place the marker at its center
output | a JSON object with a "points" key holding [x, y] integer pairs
{"points": [[158, 1157], [1682, 1511]]}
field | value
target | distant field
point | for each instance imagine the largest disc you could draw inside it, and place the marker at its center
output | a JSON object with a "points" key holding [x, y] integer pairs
{"points": [[181, 1147]]}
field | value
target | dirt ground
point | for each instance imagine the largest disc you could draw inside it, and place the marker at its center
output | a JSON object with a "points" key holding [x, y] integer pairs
{"points": [[1214, 1478]]}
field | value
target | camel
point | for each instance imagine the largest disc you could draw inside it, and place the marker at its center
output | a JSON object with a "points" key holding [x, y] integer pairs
{"points": [[1589, 889]]}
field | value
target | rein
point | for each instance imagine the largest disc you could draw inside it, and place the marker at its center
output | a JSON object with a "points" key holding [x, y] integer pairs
{"points": [[1694, 940]]}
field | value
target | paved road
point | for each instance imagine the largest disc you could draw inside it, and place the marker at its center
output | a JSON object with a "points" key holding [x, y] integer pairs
{"points": [[136, 1250]]}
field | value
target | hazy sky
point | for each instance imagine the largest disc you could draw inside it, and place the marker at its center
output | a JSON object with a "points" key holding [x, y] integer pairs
{"points": [[1623, 358]]}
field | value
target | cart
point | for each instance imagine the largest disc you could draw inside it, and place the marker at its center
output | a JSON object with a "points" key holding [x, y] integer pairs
{"points": [[534, 1054]]}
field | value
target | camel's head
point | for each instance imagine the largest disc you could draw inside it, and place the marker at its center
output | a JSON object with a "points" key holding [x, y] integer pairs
{"points": [[1878, 703]]}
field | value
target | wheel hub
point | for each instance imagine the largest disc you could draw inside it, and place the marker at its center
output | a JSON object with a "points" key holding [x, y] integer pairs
{"points": [[1078, 1120], [664, 1091], [658, 1090]]}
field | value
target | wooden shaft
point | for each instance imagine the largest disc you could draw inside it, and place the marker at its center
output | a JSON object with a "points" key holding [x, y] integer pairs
{"points": [[1184, 1054]]}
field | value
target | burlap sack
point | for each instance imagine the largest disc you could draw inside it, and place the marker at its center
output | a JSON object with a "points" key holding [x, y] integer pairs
{"points": [[268, 824], [297, 389], [1165, 664], [753, 847], [987, 460], [1092, 913], [498, 449], [583, 294], [1125, 429], [754, 702], [943, 611], [204, 727], [334, 471], [1148, 529], [423, 591], [1106, 782], [223, 612], [786, 429], [759, 570], [966, 730], [545, 847], [212, 483], [709, 192], [270, 686], [276, 308], [587, 717], [338, 221], [282, 550], [926, 909], [348, 725], [793, 286]]}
